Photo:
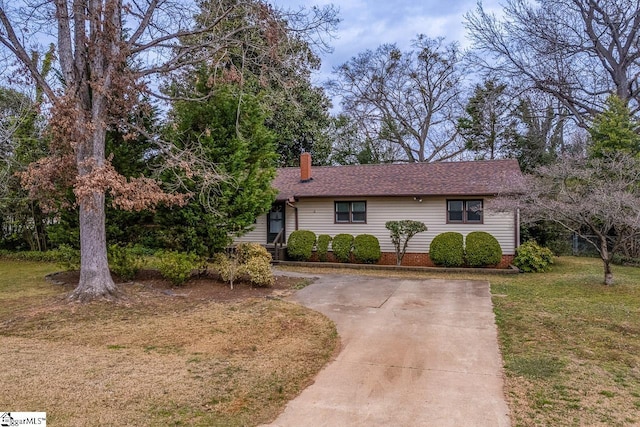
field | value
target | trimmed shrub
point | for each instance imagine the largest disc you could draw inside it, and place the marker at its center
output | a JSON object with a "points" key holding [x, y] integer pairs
{"points": [[533, 258], [125, 261], [177, 266], [401, 232], [341, 246], [447, 249], [323, 246], [300, 245], [366, 249], [482, 249]]}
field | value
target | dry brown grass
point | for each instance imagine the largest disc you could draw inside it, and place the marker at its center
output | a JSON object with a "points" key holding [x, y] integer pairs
{"points": [[155, 359]]}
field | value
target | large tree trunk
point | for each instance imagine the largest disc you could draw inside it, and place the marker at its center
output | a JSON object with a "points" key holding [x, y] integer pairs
{"points": [[95, 277]]}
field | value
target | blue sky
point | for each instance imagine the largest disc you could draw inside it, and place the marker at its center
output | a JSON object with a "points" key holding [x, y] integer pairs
{"points": [[366, 24]]}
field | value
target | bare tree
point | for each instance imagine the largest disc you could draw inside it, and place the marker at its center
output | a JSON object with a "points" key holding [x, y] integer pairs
{"points": [[109, 53], [579, 51], [598, 199], [406, 100]]}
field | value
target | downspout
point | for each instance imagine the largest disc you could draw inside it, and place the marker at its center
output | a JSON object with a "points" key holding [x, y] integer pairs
{"points": [[517, 228], [291, 204]]}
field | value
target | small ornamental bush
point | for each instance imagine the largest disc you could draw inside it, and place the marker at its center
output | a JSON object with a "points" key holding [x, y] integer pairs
{"points": [[366, 249], [323, 246], [300, 245], [177, 266], [533, 258], [125, 261], [401, 232], [255, 262], [259, 272], [228, 267], [341, 245], [248, 259], [447, 249], [247, 251], [482, 249]]}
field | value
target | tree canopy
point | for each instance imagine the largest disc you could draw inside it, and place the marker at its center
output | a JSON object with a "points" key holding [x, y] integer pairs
{"points": [[109, 57], [578, 51], [405, 103]]}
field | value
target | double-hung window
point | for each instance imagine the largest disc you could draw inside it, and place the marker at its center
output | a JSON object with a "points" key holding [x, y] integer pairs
{"points": [[350, 212], [464, 211]]}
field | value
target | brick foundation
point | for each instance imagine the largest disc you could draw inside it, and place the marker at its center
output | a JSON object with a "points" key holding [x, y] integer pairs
{"points": [[409, 260]]}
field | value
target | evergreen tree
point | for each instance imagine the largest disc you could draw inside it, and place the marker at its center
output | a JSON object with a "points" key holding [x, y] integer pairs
{"points": [[489, 127], [615, 130], [230, 129]]}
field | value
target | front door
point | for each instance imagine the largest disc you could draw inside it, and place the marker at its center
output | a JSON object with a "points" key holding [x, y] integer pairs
{"points": [[275, 221]]}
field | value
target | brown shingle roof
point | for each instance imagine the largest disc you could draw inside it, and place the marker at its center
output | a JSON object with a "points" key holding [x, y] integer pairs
{"points": [[408, 179]]}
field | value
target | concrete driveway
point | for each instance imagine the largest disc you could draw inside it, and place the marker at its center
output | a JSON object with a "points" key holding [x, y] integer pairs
{"points": [[414, 353]]}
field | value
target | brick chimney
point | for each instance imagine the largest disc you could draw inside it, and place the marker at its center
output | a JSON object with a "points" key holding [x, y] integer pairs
{"points": [[305, 167]]}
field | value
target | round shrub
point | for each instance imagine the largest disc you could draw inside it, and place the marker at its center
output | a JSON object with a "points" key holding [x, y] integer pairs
{"points": [[341, 245], [533, 258], [300, 245], [125, 261], [248, 250], [177, 266], [482, 249], [366, 249], [256, 263], [323, 246], [447, 249]]}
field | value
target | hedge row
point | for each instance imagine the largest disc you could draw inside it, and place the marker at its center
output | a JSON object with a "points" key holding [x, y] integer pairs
{"points": [[365, 247], [481, 250]]}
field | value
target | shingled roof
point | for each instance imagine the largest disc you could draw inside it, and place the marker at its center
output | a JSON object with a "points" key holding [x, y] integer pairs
{"points": [[486, 177]]}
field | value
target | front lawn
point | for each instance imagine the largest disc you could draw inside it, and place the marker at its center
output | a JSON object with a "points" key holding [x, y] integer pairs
{"points": [[158, 357], [571, 346]]}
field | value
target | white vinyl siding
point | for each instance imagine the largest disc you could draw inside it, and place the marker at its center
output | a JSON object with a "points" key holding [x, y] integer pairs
{"points": [[318, 215], [258, 234]]}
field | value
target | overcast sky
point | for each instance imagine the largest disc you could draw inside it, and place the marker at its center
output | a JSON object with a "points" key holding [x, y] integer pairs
{"points": [[366, 24]]}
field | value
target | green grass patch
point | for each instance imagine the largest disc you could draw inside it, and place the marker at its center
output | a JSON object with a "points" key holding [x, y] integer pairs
{"points": [[571, 345]]}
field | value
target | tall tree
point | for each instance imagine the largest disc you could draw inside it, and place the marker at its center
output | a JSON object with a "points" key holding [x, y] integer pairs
{"points": [[409, 100], [353, 146], [276, 63], [489, 126], [578, 51], [108, 53], [230, 129], [541, 134]]}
